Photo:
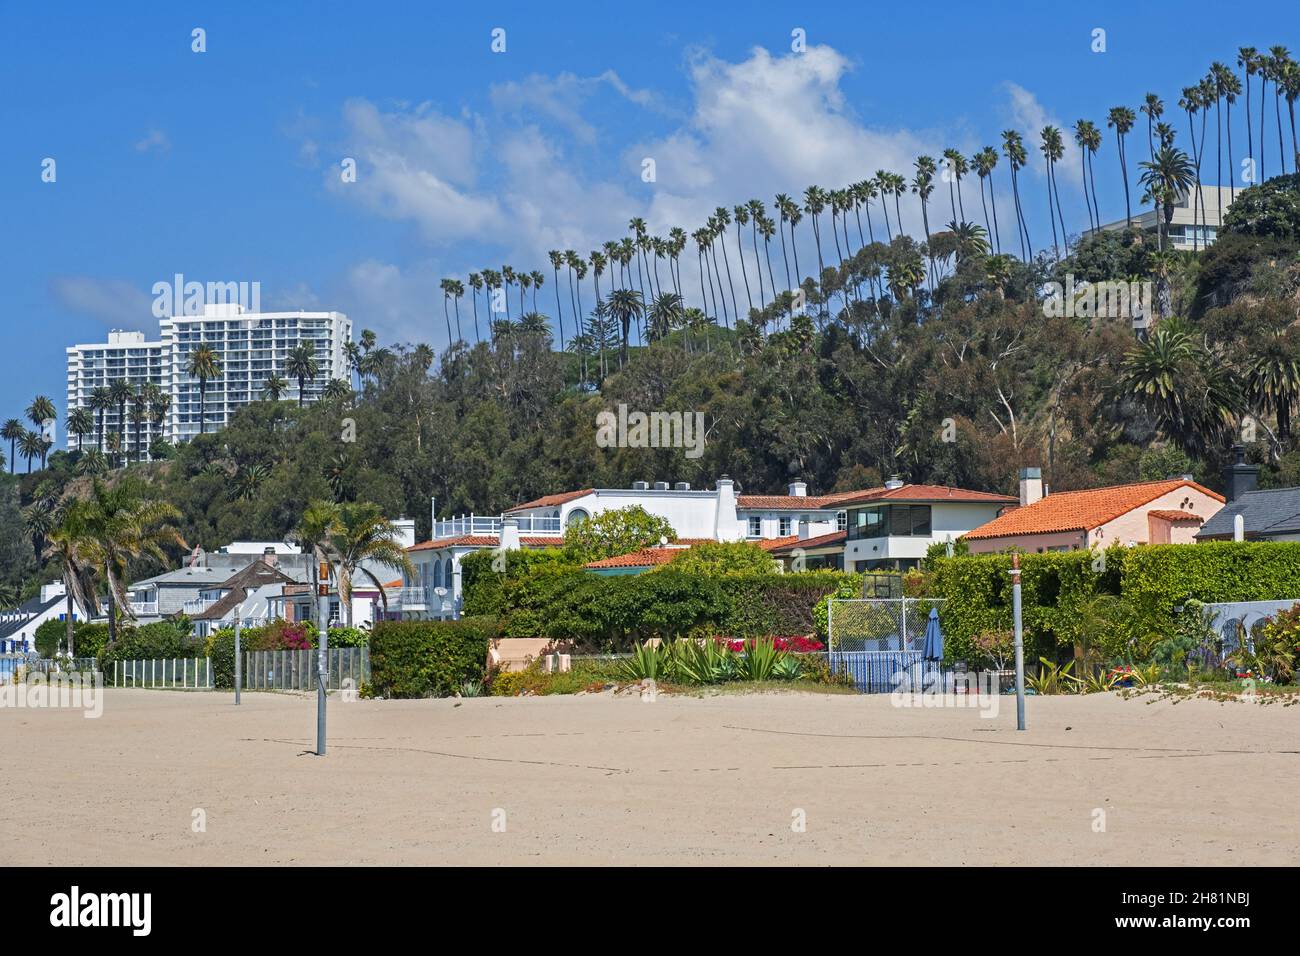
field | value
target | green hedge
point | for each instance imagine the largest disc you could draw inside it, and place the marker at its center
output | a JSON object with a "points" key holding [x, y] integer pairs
{"points": [[428, 658], [162, 639], [88, 639], [611, 613], [482, 585], [1149, 581]]}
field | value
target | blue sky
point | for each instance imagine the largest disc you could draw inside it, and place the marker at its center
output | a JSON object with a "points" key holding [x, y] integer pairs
{"points": [[224, 165]]}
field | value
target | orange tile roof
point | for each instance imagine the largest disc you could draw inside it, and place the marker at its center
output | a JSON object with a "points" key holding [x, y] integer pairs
{"points": [[549, 501], [486, 541], [771, 544], [645, 558], [926, 493], [1173, 515], [819, 541], [1080, 510]]}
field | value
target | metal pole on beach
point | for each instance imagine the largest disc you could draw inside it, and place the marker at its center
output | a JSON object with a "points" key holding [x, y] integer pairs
{"points": [[239, 614], [1020, 642], [323, 617]]}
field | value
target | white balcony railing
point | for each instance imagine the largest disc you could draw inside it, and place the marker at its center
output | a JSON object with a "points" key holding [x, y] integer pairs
{"points": [[412, 599], [197, 606], [488, 525], [144, 608]]}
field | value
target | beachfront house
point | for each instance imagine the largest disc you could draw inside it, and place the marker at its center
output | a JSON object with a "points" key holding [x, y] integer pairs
{"points": [[1146, 512]]}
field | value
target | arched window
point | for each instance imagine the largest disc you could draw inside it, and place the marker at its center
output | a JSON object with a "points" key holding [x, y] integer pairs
{"points": [[447, 574], [437, 574], [576, 515]]}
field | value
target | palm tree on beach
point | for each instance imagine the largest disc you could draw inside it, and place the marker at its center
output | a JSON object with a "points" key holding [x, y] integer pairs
{"points": [[362, 536]]}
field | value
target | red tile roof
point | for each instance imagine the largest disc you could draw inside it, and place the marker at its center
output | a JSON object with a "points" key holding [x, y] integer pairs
{"points": [[1173, 515], [486, 541], [771, 544], [934, 493], [645, 558], [550, 501], [1081, 510], [819, 541]]}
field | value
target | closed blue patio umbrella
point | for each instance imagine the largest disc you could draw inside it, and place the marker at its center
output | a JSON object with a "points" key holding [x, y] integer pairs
{"points": [[933, 649]]}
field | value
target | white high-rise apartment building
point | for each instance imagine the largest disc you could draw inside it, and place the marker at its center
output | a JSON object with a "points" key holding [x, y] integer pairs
{"points": [[250, 346]]}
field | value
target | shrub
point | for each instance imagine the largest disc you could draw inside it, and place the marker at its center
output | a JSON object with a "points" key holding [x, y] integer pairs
{"points": [[619, 531], [428, 658], [157, 641], [723, 557], [52, 636], [482, 583], [220, 648], [90, 639], [348, 637]]}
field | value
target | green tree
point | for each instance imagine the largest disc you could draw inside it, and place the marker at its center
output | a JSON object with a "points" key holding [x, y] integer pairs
{"points": [[204, 365], [615, 532], [301, 364], [361, 536]]}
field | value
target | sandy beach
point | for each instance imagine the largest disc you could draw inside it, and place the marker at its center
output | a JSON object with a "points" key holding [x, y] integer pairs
{"points": [[766, 779]]}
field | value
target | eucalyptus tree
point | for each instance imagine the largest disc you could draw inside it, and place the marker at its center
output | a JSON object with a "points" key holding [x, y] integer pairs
{"points": [[1121, 119]]}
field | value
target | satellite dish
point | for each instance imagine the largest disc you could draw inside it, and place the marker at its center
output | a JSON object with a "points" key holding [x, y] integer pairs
{"points": [[440, 591], [663, 541]]}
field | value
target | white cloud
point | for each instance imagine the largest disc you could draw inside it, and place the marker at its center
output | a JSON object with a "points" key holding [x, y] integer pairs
{"points": [[1029, 117], [115, 302], [154, 140]]}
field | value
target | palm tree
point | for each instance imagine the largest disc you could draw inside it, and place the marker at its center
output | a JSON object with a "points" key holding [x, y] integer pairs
{"points": [[1231, 90], [740, 215], [159, 407], [507, 280], [30, 446], [337, 390], [557, 259], [316, 528], [814, 203], [458, 293], [81, 423], [475, 287], [363, 536], [69, 544], [923, 186], [1088, 138], [249, 480], [625, 306], [1153, 107], [273, 387], [92, 464], [12, 431], [885, 183], [1248, 60], [1013, 148], [121, 526], [113, 441], [984, 161], [665, 314], [301, 364], [40, 411], [1121, 119], [1053, 148], [1281, 65], [1190, 103], [1290, 88], [1273, 381], [203, 364], [972, 240], [139, 413], [783, 204], [445, 287], [1165, 178]]}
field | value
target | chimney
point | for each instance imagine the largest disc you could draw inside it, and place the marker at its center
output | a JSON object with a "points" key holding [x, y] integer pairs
{"points": [[726, 524], [802, 529], [269, 557], [1031, 486], [405, 531], [798, 489], [1239, 477], [510, 534], [895, 481]]}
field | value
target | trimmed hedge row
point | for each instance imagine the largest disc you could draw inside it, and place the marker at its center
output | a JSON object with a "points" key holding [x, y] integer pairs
{"points": [[1145, 583], [612, 613], [428, 658]]}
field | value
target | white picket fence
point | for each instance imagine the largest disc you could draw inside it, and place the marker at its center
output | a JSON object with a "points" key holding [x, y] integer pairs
{"points": [[172, 673]]}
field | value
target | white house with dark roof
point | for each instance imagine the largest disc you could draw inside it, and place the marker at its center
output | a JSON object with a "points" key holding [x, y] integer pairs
{"points": [[822, 522], [18, 625]]}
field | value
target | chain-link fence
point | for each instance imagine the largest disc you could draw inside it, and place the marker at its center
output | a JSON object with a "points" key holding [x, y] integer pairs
{"points": [[879, 625]]}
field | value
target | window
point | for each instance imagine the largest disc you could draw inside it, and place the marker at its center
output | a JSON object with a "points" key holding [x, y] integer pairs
{"points": [[755, 527], [785, 527], [890, 520]]}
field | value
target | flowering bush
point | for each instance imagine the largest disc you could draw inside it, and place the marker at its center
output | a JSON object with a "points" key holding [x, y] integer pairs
{"points": [[794, 644]]}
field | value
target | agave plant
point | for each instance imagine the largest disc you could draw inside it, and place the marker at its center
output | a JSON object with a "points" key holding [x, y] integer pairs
{"points": [[691, 661], [471, 688], [759, 660], [1051, 678], [787, 668], [646, 663]]}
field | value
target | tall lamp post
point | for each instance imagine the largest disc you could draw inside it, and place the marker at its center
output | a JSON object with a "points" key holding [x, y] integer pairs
{"points": [[1020, 642]]}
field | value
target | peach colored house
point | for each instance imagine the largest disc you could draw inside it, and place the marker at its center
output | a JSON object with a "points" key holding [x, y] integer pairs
{"points": [[1147, 512]]}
